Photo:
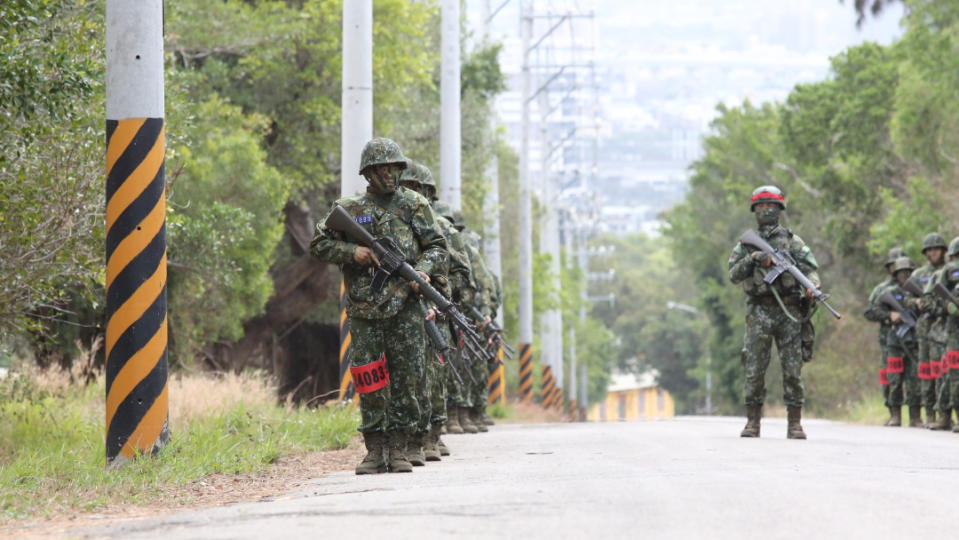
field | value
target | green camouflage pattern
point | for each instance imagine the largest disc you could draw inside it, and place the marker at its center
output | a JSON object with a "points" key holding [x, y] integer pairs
{"points": [[904, 388], [381, 151], [947, 396], [953, 247], [765, 320], [403, 339], [485, 299], [407, 218], [930, 332], [933, 240]]}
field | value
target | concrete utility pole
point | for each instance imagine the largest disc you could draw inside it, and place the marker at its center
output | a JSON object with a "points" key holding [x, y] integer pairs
{"points": [[450, 134], [551, 321], [136, 312], [356, 129], [356, 121], [525, 223]]}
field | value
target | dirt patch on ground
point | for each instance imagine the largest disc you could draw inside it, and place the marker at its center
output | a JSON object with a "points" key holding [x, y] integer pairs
{"points": [[285, 476], [532, 413]]}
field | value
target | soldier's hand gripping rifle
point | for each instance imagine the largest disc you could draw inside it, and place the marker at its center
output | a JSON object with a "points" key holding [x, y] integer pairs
{"points": [[391, 262], [782, 263], [440, 345], [495, 332], [941, 291], [908, 317]]}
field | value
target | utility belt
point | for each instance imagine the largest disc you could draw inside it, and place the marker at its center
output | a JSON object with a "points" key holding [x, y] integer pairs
{"points": [[770, 300]]}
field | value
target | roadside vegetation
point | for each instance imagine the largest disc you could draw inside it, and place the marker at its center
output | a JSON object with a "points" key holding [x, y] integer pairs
{"points": [[51, 440]]}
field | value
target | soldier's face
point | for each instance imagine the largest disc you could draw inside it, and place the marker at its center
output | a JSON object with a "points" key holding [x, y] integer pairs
{"points": [[415, 186], [767, 213], [935, 255], [903, 275], [383, 178]]}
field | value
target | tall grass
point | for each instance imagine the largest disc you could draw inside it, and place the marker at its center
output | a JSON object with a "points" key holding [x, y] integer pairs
{"points": [[52, 439]]}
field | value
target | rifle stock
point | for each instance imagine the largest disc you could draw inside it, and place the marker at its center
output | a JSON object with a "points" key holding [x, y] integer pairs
{"points": [[908, 317], [942, 292]]}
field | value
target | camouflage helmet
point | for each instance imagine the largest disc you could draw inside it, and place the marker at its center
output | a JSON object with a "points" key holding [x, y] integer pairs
{"points": [[381, 151], [458, 220], [894, 254], [953, 247], [764, 194], [444, 210], [902, 263], [418, 173], [933, 240]]}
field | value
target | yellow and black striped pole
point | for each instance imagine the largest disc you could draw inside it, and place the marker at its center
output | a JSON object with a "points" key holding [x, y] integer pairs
{"points": [[136, 311], [497, 380], [525, 372], [546, 386], [346, 380]]}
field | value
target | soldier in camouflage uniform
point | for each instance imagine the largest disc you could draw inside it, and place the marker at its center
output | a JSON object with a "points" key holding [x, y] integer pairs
{"points": [[460, 396], [902, 363], [875, 313], [386, 325], [774, 312], [948, 394], [487, 302], [457, 284], [931, 331]]}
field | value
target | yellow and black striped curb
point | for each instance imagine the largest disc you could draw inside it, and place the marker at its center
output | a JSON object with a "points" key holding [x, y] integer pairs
{"points": [[547, 386], [526, 372], [136, 310]]}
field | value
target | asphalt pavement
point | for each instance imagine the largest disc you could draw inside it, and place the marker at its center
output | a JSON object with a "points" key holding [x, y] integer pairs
{"points": [[691, 477]]}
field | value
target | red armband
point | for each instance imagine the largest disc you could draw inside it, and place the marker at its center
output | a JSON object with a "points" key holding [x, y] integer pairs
{"points": [[925, 372], [882, 377], [894, 364], [935, 369], [371, 377], [952, 359]]}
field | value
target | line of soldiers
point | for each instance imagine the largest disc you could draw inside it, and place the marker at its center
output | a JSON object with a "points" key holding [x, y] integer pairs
{"points": [[414, 372], [919, 334]]}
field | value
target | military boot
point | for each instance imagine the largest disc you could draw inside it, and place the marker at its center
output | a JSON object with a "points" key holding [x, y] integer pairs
{"points": [[896, 419], [476, 417], [487, 419], [444, 450], [945, 421], [430, 449], [464, 415], [397, 452], [373, 463], [930, 417], [414, 449], [453, 426], [793, 428], [891, 416], [915, 416], [753, 414]]}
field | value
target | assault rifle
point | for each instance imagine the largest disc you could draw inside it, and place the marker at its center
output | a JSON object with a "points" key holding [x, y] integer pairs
{"points": [[495, 333], [908, 317], [391, 263], [942, 292], [913, 287], [440, 346], [782, 263]]}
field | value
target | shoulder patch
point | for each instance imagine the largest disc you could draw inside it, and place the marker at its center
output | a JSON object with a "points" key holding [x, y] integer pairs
{"points": [[364, 219]]}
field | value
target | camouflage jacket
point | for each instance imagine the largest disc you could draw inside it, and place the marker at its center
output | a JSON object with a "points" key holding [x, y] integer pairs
{"points": [[743, 270], [460, 270], [404, 216], [486, 300], [928, 316], [875, 313], [948, 275]]}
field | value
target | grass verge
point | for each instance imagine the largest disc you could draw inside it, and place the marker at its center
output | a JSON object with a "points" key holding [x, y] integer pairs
{"points": [[52, 432]]}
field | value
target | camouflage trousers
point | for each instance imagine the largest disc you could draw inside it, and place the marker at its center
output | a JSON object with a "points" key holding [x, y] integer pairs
{"points": [[436, 381], [903, 387], [948, 397], [402, 339], [457, 393], [930, 351], [479, 391], [764, 325], [884, 354]]}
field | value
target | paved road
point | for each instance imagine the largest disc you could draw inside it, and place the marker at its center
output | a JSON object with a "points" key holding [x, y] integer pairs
{"points": [[686, 478]]}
